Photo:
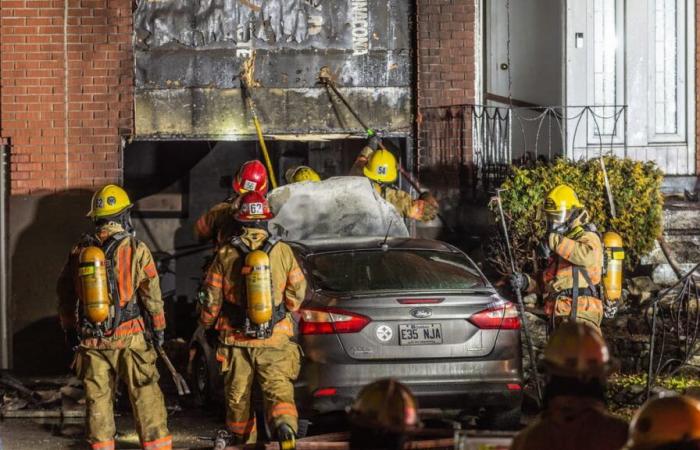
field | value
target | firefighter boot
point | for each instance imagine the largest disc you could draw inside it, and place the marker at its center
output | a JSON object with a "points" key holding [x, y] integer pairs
{"points": [[286, 438]]}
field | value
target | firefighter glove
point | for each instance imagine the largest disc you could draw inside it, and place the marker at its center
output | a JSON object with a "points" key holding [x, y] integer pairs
{"points": [[428, 198], [373, 142], [430, 206], [72, 339], [519, 281], [159, 338]]}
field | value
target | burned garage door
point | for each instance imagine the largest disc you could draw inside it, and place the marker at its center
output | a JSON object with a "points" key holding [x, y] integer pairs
{"points": [[189, 55]]}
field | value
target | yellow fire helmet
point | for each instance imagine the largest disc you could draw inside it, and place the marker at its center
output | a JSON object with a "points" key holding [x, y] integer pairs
{"points": [[386, 404], [301, 173], [576, 350], [559, 203], [663, 422], [109, 201], [382, 167]]}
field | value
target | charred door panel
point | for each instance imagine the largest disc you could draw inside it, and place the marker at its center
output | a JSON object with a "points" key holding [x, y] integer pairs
{"points": [[188, 56]]}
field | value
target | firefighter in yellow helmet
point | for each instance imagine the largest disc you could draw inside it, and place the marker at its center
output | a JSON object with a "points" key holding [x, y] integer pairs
{"points": [[381, 167], [297, 174], [383, 416], [571, 280], [252, 275], [666, 423], [577, 363], [108, 292]]}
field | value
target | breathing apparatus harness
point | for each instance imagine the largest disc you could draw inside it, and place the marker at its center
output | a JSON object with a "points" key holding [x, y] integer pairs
{"points": [[117, 314], [237, 313], [571, 231]]}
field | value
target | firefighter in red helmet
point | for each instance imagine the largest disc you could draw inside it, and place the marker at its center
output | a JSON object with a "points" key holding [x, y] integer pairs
{"points": [[251, 288], [218, 224]]}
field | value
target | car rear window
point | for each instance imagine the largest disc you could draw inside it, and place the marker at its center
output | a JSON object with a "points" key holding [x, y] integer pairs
{"points": [[395, 270]]}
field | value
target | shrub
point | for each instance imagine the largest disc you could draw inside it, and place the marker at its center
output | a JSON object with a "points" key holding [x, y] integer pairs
{"points": [[636, 189]]}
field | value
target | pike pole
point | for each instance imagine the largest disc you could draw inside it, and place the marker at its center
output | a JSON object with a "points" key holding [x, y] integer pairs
{"points": [[521, 304], [326, 78], [247, 82]]}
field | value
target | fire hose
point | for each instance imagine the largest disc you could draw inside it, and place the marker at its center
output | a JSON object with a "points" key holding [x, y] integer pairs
{"points": [[521, 304]]}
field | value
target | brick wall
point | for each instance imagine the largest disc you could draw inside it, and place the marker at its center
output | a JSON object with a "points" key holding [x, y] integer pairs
{"points": [[446, 64], [446, 58], [66, 91]]}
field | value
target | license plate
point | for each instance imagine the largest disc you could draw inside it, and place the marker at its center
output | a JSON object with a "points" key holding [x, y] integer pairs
{"points": [[420, 334]]}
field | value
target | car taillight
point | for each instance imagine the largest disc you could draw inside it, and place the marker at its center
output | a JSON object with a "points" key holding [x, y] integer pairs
{"points": [[330, 321], [325, 392], [502, 315]]}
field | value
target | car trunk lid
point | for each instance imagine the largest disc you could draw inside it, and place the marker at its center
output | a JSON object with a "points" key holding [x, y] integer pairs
{"points": [[380, 327]]}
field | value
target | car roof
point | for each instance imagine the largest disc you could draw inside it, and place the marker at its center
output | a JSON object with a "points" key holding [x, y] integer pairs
{"points": [[369, 243]]}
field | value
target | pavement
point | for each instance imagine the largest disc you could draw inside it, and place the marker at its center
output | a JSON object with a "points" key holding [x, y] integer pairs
{"points": [[50, 434], [187, 427]]}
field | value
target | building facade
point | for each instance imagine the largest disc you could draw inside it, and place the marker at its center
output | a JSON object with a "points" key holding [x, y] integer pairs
{"points": [[97, 91]]}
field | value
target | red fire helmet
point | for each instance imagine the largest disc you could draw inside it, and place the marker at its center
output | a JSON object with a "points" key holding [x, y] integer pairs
{"points": [[251, 177], [254, 206]]}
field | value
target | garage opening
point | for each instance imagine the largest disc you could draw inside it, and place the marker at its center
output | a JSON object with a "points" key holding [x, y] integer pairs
{"points": [[172, 183]]}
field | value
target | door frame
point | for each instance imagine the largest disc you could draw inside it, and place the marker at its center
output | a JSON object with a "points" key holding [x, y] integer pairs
{"points": [[480, 49], [480, 83]]}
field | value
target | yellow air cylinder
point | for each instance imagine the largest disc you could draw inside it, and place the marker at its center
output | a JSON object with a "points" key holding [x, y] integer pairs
{"points": [[258, 287], [92, 273], [615, 257]]}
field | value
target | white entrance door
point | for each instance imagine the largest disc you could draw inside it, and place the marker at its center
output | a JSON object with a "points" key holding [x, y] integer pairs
{"points": [[638, 53]]}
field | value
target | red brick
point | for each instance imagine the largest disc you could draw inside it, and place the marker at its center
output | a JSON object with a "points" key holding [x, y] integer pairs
{"points": [[99, 82]]}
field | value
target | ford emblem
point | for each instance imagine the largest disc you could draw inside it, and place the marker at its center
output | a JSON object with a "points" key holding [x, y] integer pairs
{"points": [[421, 313]]}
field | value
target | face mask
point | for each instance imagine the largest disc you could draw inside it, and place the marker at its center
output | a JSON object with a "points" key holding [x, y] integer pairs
{"points": [[556, 219]]}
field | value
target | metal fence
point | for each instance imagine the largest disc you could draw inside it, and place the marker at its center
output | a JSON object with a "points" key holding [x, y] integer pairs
{"points": [[482, 141]]}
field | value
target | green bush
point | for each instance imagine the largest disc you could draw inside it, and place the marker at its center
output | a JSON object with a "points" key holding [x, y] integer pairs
{"points": [[636, 189]]}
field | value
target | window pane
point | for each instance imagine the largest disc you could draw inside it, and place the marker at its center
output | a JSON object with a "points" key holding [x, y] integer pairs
{"points": [[393, 270], [666, 67], [605, 62]]}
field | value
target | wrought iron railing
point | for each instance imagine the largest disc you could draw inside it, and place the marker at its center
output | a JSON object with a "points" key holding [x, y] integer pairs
{"points": [[482, 141]]}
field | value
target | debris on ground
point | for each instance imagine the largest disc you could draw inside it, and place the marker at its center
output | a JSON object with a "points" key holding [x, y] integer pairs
{"points": [[642, 289], [50, 398]]}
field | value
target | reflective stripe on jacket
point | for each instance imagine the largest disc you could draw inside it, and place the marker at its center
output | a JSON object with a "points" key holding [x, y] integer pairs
{"points": [[585, 250], [136, 277], [225, 283]]}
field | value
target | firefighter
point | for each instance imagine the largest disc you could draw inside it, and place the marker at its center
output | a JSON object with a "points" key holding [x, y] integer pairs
{"points": [[251, 287], [382, 168], [574, 253], [577, 363], [298, 174], [107, 292], [666, 423], [383, 416], [362, 159], [217, 224]]}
